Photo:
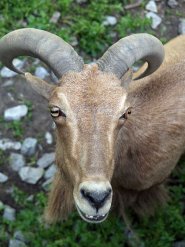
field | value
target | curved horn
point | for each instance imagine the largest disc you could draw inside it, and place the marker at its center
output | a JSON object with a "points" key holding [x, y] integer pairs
{"points": [[49, 48], [124, 53]]}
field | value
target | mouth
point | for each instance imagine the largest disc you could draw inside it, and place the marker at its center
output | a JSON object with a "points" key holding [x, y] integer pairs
{"points": [[92, 218]]}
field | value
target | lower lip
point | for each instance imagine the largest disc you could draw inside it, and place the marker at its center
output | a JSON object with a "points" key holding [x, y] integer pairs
{"points": [[92, 219]]}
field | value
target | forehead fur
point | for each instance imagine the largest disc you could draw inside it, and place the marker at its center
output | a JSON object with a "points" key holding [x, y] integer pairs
{"points": [[91, 87]]}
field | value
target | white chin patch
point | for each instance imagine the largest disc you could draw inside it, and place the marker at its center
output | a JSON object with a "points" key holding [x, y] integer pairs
{"points": [[92, 218]]}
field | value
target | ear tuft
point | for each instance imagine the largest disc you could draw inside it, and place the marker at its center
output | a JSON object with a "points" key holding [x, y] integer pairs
{"points": [[39, 85]]}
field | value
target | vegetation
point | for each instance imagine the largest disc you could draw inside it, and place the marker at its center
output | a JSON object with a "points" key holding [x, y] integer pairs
{"points": [[84, 22]]}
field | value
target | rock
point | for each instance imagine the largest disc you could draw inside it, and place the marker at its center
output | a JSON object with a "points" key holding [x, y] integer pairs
{"points": [[41, 72], [3, 178], [1, 205], [50, 172], [16, 161], [9, 213], [46, 160], [110, 20], [31, 175], [172, 3], [151, 6], [55, 17], [182, 26], [81, 1], [179, 244], [15, 113], [156, 20], [6, 143], [48, 138], [19, 236], [8, 83], [74, 41], [6, 73], [46, 184], [16, 243], [29, 146]]}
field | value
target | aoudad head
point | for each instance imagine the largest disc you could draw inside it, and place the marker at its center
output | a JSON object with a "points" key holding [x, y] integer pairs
{"points": [[89, 106]]}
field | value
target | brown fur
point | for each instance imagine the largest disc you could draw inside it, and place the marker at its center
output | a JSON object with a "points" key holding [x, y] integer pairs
{"points": [[136, 156]]}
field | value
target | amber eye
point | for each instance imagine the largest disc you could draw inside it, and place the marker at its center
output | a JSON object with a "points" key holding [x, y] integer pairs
{"points": [[56, 112], [126, 114]]}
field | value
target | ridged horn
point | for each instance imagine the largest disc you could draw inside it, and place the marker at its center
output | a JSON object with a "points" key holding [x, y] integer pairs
{"points": [[124, 53], [49, 48]]}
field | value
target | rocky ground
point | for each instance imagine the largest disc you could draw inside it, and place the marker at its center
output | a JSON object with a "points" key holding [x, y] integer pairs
{"points": [[26, 129]]}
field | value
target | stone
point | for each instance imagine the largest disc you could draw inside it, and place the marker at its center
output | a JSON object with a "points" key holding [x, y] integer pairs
{"points": [[15, 113], [3, 178], [41, 72], [74, 41], [46, 184], [9, 213], [55, 17], [16, 161], [81, 1], [19, 236], [31, 175], [179, 244], [172, 3], [50, 172], [48, 137], [46, 160], [8, 83], [1, 205], [16, 243], [29, 146], [156, 20], [7, 73], [182, 26], [110, 20], [151, 6], [6, 143]]}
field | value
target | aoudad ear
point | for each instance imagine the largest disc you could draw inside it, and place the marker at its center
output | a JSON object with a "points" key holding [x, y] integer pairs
{"points": [[40, 86]]}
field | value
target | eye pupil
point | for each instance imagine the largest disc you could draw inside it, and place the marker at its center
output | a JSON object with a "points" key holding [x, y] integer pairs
{"points": [[56, 112]]}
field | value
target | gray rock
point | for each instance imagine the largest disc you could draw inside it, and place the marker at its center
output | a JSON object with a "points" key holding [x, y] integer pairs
{"points": [[50, 172], [41, 72], [179, 244], [55, 17], [46, 160], [48, 138], [81, 1], [46, 184], [3, 178], [19, 236], [16, 161], [16, 243], [172, 3], [15, 113], [110, 20], [8, 83], [10, 96], [6, 143], [9, 213], [31, 175], [6, 73], [156, 20], [182, 26], [1, 205], [74, 41], [29, 146], [151, 6]]}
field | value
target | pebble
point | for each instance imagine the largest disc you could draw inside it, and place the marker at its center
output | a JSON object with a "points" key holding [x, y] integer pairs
{"points": [[31, 175], [172, 3], [9, 213], [151, 6], [7, 73], [48, 138], [156, 20], [41, 72], [19, 236], [1, 205], [55, 17], [179, 244], [29, 146], [15, 113], [3, 178], [8, 83], [74, 41], [110, 20], [46, 184], [46, 160], [16, 243], [16, 161], [182, 26], [6, 143], [50, 172]]}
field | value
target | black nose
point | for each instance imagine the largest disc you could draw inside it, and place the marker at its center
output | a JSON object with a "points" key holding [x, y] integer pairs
{"points": [[96, 199]]}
